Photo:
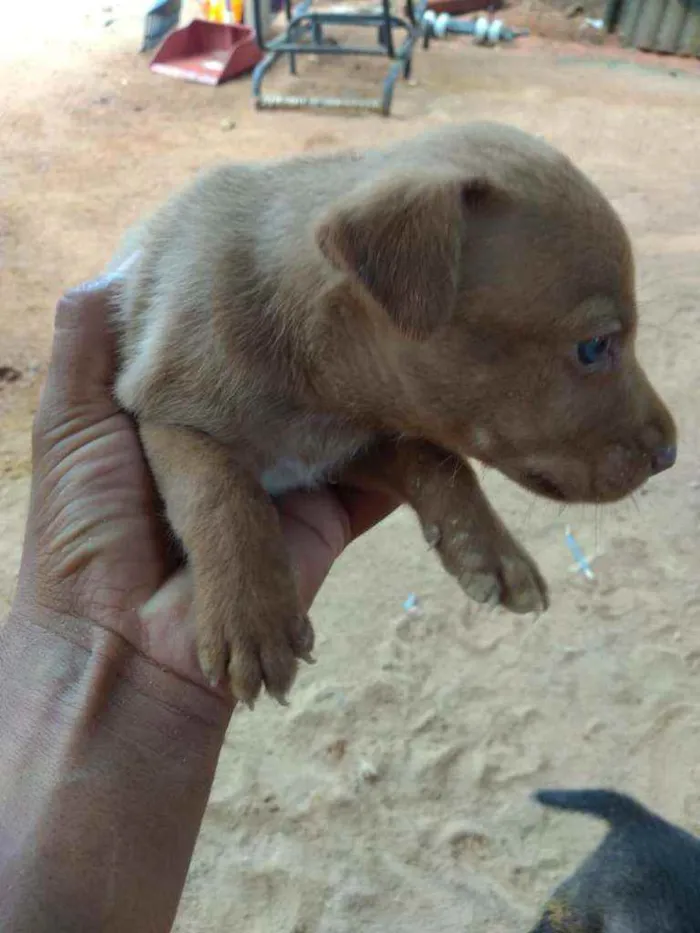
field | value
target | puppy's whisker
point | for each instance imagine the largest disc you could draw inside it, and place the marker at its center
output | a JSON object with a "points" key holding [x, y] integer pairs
{"points": [[535, 625], [529, 512]]}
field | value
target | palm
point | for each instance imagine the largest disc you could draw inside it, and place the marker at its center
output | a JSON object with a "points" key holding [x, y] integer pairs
{"points": [[96, 521]]}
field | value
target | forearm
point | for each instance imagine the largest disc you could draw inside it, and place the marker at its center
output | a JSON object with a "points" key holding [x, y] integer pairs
{"points": [[106, 763]]}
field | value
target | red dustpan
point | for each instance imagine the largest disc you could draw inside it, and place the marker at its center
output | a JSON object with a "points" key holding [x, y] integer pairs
{"points": [[208, 53]]}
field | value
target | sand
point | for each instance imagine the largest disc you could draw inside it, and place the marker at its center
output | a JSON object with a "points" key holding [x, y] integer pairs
{"points": [[393, 794]]}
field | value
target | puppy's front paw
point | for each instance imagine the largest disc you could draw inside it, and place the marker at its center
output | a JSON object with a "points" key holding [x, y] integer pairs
{"points": [[493, 571], [254, 645]]}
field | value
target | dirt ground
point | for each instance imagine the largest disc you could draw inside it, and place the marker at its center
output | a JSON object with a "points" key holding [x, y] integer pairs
{"points": [[393, 794]]}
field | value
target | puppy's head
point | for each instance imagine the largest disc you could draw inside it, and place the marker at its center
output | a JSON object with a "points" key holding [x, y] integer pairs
{"points": [[643, 878], [502, 284]]}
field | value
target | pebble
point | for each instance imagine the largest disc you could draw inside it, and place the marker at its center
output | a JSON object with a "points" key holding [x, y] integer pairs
{"points": [[368, 772], [9, 374]]}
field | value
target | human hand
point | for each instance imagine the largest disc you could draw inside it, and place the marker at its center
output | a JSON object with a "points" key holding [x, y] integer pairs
{"points": [[97, 547]]}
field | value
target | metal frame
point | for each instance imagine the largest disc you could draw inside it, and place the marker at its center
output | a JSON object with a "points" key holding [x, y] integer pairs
{"points": [[304, 35]]}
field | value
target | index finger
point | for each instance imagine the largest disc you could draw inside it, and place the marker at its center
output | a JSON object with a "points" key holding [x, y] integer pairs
{"points": [[365, 508]]}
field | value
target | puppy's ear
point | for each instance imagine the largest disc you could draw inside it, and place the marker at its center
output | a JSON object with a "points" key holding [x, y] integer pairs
{"points": [[403, 241]]}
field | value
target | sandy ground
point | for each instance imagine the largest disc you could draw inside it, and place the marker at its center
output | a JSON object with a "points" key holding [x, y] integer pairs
{"points": [[393, 794]]}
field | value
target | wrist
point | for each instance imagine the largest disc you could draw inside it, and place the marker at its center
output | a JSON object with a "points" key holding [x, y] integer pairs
{"points": [[106, 764], [51, 653]]}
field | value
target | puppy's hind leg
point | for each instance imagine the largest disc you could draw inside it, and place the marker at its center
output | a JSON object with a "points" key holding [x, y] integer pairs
{"points": [[249, 622]]}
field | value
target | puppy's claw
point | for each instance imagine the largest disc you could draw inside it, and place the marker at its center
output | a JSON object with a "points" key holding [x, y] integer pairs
{"points": [[483, 588], [496, 573], [211, 664], [524, 589], [264, 657], [245, 679], [520, 590], [432, 535], [302, 637]]}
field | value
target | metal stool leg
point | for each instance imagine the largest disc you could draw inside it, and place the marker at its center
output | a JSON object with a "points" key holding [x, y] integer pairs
{"points": [[305, 35]]}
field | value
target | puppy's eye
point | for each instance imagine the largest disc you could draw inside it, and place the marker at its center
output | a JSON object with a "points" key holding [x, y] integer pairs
{"points": [[594, 353]]}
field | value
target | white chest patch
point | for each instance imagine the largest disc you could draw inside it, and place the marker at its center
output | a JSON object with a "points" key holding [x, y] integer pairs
{"points": [[289, 473]]}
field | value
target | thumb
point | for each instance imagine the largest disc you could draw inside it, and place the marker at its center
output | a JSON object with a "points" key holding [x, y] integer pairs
{"points": [[84, 353]]}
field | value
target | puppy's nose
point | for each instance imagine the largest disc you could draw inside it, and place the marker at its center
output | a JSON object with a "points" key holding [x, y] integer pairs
{"points": [[663, 458]]}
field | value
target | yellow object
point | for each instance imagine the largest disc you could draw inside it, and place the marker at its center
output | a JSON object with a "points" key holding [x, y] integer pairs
{"points": [[214, 10], [217, 11], [237, 10]]}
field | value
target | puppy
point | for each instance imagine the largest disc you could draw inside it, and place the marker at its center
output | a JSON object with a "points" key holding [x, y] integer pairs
{"points": [[379, 318], [643, 878]]}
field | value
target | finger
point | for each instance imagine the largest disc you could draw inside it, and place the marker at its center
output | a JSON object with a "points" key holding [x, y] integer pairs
{"points": [[83, 356], [316, 529], [365, 508], [321, 518], [319, 525]]}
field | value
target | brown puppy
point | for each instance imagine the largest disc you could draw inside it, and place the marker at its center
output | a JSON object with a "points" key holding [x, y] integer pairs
{"points": [[388, 314]]}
